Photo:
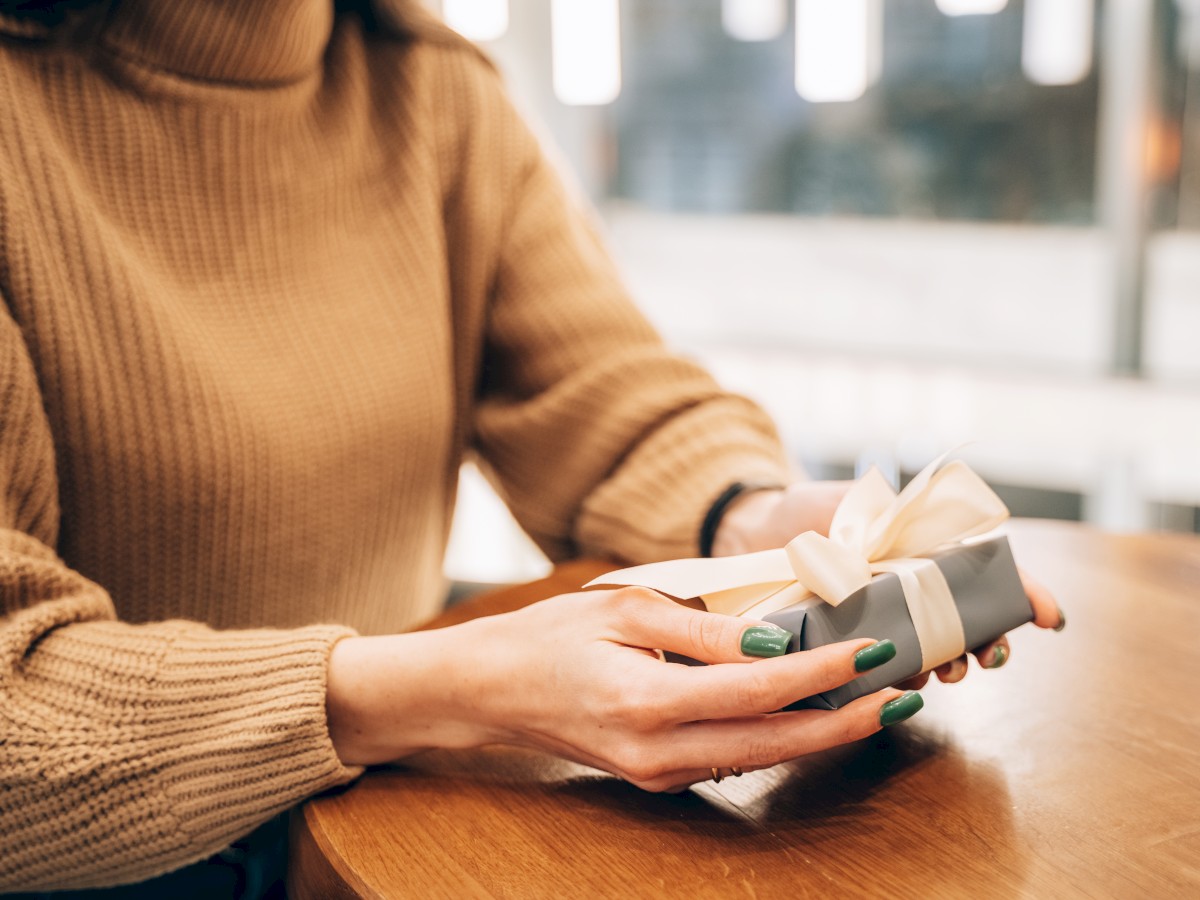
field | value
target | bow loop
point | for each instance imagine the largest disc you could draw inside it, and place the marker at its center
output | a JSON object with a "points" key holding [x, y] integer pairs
{"points": [[829, 569], [866, 503], [939, 506]]}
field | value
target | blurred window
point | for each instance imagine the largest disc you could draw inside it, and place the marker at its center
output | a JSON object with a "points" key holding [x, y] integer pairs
{"points": [[1178, 144], [951, 126], [904, 224]]}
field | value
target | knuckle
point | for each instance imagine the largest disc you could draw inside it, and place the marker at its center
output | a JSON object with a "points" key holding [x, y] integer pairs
{"points": [[706, 633], [755, 691], [639, 596], [833, 670], [637, 708], [765, 750], [638, 765], [630, 602], [852, 723], [661, 784], [851, 728]]}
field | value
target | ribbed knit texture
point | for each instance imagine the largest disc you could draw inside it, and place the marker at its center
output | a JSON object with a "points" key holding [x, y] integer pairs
{"points": [[266, 278]]}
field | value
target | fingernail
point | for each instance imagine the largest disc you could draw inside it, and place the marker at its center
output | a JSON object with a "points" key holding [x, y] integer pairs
{"points": [[904, 706], [874, 656], [765, 640], [1062, 620], [999, 657]]}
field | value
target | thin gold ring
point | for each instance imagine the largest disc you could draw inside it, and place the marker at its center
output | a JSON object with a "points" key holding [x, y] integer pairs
{"points": [[736, 771], [717, 776]]}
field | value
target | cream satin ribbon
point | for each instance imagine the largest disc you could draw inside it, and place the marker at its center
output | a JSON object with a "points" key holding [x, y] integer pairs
{"points": [[874, 530]]}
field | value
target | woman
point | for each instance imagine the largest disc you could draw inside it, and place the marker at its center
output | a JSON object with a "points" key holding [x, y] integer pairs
{"points": [[269, 270]]}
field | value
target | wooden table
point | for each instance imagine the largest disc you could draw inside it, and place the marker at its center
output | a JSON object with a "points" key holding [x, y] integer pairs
{"points": [[1072, 771]]}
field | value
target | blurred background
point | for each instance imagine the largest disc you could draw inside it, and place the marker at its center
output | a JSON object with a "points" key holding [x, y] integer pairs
{"points": [[900, 225]]}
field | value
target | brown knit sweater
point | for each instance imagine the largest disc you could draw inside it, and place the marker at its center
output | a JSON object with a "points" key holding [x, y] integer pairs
{"points": [[266, 276]]}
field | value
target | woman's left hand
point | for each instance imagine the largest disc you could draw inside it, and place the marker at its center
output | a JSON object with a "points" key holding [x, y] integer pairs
{"points": [[766, 519]]}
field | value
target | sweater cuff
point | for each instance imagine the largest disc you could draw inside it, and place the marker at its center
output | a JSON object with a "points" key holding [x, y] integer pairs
{"points": [[185, 739], [652, 506], [265, 745]]}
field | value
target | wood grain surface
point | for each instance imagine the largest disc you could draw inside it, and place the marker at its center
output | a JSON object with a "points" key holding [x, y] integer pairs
{"points": [[1074, 771]]}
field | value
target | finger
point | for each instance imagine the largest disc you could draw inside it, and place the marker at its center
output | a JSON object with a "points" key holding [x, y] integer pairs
{"points": [[648, 619], [762, 741], [953, 671], [676, 782], [694, 693], [1046, 611], [915, 683], [675, 760], [993, 655]]}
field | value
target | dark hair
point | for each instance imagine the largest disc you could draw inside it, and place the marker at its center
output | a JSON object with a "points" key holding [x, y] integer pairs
{"points": [[400, 17], [44, 12]]}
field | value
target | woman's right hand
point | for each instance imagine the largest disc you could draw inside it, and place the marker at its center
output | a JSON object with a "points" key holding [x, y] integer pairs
{"points": [[579, 676]]}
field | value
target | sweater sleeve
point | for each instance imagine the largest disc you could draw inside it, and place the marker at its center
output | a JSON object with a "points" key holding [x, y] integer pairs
{"points": [[602, 441], [130, 750]]}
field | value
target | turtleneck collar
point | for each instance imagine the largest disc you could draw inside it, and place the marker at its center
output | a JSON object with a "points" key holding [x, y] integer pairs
{"points": [[233, 41]]}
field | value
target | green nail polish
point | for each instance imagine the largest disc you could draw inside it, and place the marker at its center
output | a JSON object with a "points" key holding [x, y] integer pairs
{"points": [[1062, 621], [999, 657], [874, 656], [765, 640], [907, 704]]}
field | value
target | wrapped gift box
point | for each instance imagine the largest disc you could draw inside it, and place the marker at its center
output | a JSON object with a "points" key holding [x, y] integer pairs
{"points": [[913, 567], [987, 592]]}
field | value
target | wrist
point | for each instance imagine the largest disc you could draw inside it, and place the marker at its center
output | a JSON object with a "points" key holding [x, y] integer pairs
{"points": [[767, 519], [741, 526], [394, 695]]}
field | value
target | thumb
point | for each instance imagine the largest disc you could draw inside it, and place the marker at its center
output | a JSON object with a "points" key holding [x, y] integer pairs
{"points": [[662, 624]]}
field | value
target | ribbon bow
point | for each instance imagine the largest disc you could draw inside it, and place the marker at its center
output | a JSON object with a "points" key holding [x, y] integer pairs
{"points": [[874, 530]]}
